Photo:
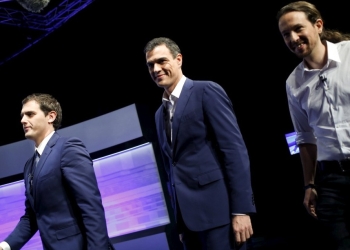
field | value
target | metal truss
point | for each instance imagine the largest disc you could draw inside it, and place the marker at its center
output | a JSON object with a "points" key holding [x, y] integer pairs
{"points": [[38, 23], [44, 22]]}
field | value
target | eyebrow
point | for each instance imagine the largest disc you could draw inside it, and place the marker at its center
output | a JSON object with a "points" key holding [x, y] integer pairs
{"points": [[157, 60], [297, 25], [26, 113]]}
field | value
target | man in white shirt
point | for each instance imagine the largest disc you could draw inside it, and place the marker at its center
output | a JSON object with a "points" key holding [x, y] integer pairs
{"points": [[62, 199], [318, 92]]}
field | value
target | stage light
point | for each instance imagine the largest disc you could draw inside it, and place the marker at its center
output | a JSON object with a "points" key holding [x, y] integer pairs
{"points": [[33, 5]]}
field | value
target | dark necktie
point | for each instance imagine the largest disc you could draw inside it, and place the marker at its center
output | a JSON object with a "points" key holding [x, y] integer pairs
{"points": [[37, 158], [31, 175], [169, 121]]}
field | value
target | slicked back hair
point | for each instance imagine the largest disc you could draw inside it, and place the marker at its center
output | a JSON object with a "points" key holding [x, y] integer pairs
{"points": [[312, 14], [170, 44]]}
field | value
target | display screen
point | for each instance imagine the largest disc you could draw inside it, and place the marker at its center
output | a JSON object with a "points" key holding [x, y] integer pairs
{"points": [[131, 192], [292, 145]]}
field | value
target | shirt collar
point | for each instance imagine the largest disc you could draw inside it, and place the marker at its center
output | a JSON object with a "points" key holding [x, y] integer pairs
{"points": [[42, 145], [176, 92], [332, 55]]}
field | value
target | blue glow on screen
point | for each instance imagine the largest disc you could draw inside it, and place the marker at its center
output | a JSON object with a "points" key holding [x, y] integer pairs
{"points": [[292, 145], [131, 192]]}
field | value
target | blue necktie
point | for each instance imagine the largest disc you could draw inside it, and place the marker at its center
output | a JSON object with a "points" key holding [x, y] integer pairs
{"points": [[169, 121], [31, 175], [37, 158]]}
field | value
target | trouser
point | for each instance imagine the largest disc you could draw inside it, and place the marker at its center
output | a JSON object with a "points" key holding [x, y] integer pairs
{"points": [[333, 203], [218, 238]]}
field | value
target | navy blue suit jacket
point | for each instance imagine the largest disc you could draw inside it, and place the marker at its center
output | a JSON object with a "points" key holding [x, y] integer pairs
{"points": [[207, 162], [66, 205]]}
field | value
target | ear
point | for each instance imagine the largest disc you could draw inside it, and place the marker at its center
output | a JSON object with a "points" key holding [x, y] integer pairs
{"points": [[179, 59], [51, 116], [319, 25]]}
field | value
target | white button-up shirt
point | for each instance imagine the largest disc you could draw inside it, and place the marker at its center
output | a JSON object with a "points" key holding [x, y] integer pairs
{"points": [[319, 103]]}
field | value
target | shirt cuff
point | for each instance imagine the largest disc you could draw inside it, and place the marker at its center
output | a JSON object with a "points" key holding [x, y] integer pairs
{"points": [[305, 137], [5, 245]]}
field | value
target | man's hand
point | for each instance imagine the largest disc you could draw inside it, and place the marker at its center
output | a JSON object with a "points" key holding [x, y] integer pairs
{"points": [[310, 201], [242, 228]]}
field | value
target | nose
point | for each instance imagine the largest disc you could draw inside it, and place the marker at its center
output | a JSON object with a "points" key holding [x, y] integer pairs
{"points": [[156, 67], [294, 37], [23, 120]]}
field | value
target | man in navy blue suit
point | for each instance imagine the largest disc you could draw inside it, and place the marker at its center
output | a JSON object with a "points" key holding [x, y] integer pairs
{"points": [[204, 155], [62, 200]]}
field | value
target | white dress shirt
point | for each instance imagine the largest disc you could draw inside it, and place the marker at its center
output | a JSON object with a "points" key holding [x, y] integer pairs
{"points": [[170, 102], [42, 145], [319, 103]]}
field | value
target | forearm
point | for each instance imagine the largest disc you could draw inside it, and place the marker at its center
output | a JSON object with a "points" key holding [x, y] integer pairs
{"points": [[79, 176], [233, 152], [308, 156]]}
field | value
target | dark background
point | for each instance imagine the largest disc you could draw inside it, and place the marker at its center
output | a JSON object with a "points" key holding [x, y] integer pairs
{"points": [[94, 64]]}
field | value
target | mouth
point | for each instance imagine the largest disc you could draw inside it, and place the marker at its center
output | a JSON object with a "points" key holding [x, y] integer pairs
{"points": [[298, 46], [159, 77]]}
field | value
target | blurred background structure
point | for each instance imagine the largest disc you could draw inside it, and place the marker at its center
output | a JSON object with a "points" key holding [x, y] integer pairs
{"points": [[89, 55]]}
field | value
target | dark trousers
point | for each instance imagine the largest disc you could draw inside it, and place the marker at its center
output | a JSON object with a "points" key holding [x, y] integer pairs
{"points": [[333, 206], [219, 238]]}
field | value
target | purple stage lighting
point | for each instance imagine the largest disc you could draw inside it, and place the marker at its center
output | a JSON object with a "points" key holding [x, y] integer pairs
{"points": [[131, 192]]}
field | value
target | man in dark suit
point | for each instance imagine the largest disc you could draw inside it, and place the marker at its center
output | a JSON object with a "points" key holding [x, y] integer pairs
{"points": [[204, 155], [63, 200]]}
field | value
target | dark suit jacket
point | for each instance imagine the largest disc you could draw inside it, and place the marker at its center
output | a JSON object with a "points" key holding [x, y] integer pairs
{"points": [[66, 205], [207, 163]]}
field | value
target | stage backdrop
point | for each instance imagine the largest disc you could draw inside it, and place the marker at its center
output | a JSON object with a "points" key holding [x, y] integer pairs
{"points": [[126, 162]]}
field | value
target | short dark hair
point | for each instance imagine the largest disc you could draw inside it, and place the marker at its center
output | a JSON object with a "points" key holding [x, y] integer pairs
{"points": [[313, 14], [47, 103], [170, 44]]}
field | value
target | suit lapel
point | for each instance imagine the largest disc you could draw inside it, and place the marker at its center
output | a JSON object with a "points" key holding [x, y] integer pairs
{"points": [[28, 173], [43, 159], [161, 130], [180, 108]]}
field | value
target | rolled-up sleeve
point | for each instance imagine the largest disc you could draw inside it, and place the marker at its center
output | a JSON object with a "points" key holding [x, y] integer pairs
{"points": [[305, 133]]}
